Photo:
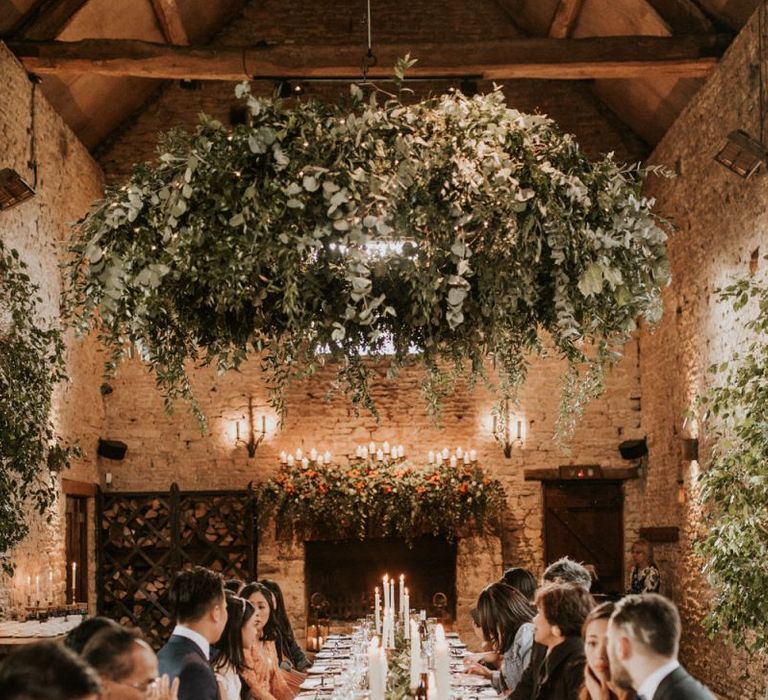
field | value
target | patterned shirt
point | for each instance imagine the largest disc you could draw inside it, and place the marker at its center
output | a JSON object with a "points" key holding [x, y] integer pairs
{"points": [[646, 580]]}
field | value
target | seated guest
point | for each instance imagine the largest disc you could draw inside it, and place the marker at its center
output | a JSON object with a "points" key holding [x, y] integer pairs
{"points": [[288, 650], [563, 570], [262, 671], [597, 671], [239, 635], [127, 666], [505, 617], [47, 671], [78, 636], [561, 611], [197, 595], [643, 639], [645, 577], [521, 580], [566, 570], [234, 585]]}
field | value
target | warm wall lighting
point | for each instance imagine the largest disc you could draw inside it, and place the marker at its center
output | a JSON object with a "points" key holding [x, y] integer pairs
{"points": [[742, 154], [508, 428], [254, 437], [13, 189]]}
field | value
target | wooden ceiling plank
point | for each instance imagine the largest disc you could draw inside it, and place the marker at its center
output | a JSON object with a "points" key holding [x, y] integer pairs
{"points": [[170, 21], [561, 59], [47, 19], [564, 19], [683, 16]]}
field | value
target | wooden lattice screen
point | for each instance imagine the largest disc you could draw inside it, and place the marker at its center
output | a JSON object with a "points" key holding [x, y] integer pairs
{"points": [[144, 538]]}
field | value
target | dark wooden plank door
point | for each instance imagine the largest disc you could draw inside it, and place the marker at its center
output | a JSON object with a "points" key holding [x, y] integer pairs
{"points": [[584, 520]]}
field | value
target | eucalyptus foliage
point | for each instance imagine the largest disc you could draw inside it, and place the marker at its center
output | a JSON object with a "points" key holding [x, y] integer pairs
{"points": [[31, 364], [278, 237], [735, 481]]}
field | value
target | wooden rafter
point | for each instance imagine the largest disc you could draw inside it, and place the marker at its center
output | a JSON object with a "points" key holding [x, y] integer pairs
{"points": [[564, 19], [561, 59], [169, 17], [47, 19]]}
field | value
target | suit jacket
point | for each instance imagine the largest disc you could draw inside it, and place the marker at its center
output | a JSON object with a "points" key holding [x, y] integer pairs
{"points": [[558, 675], [181, 658], [680, 685]]}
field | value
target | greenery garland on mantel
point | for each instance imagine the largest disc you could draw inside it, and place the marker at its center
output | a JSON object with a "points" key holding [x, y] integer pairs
{"points": [[456, 227], [31, 364], [381, 499], [734, 483]]}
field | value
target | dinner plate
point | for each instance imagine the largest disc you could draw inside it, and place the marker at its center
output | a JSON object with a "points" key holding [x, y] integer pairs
{"points": [[469, 681]]}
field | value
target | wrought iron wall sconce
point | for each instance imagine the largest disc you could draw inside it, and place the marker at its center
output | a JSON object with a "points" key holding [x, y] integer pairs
{"points": [[254, 438], [508, 428]]}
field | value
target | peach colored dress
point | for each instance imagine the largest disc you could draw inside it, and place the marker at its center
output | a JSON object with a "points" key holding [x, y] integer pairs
{"points": [[262, 673]]}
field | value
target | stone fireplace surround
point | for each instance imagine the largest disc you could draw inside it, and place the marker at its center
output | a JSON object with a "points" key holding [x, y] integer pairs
{"points": [[478, 563]]}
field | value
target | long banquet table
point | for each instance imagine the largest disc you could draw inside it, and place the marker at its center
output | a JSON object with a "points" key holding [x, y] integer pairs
{"points": [[336, 673]]}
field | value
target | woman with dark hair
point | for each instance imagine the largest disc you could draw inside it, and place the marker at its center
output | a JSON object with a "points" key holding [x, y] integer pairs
{"points": [[79, 636], [597, 672], [262, 673], [561, 611], [505, 616], [238, 636], [289, 652], [521, 580]]}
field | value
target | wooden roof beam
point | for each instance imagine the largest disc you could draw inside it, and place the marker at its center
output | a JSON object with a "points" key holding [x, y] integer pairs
{"points": [[564, 19], [169, 18], [556, 59]]}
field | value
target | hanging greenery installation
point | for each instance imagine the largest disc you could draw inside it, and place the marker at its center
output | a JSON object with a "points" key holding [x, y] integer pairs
{"points": [[450, 232]]}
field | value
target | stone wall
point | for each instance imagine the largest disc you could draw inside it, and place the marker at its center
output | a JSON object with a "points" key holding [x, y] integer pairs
{"points": [[68, 182], [720, 219]]}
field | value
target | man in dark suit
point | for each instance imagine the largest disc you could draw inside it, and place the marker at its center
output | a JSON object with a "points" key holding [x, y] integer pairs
{"points": [[197, 596], [643, 639]]}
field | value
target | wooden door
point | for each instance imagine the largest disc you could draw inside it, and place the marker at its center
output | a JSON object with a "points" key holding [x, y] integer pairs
{"points": [[584, 520]]}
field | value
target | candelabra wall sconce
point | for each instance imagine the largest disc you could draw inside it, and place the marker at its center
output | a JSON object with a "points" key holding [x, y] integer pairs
{"points": [[508, 428], [255, 437]]}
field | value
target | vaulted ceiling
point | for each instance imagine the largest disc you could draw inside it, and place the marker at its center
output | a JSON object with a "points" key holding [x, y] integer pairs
{"points": [[643, 60]]}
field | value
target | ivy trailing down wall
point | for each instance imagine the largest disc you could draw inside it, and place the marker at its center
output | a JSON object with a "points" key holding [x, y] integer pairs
{"points": [[31, 364], [446, 232], [735, 480]]}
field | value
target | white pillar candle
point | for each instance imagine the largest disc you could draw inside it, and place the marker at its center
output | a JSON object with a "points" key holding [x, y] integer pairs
{"points": [[442, 665], [401, 451], [385, 585], [374, 668], [313, 455], [439, 459], [407, 615], [415, 655], [320, 460], [392, 597], [445, 453], [327, 457], [431, 457], [372, 448], [453, 462], [305, 463], [466, 458], [386, 447], [299, 454], [473, 455], [401, 591], [459, 453], [289, 460], [379, 456], [377, 611], [283, 457]]}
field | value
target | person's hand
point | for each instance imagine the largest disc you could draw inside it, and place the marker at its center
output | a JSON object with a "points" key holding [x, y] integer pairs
{"points": [[476, 669], [163, 689], [597, 688]]}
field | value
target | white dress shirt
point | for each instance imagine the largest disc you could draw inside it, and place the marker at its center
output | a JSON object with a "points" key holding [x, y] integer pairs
{"points": [[196, 637], [649, 686]]}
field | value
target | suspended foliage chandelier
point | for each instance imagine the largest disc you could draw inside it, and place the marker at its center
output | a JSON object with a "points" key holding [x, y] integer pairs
{"points": [[457, 226]]}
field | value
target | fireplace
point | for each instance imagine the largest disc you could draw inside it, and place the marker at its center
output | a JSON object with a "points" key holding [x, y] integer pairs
{"points": [[341, 575]]}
